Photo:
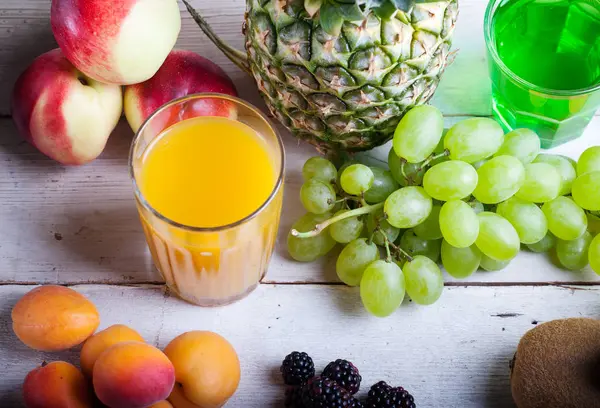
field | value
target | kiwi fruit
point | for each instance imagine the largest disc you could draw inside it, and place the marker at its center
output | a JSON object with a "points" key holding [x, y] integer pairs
{"points": [[557, 365]]}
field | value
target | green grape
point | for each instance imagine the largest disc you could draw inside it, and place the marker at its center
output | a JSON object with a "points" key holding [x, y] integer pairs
{"points": [[564, 167], [492, 265], [593, 224], [342, 168], [430, 228], [543, 245], [317, 197], [376, 219], [460, 263], [357, 179], [347, 229], [497, 238], [586, 191], [589, 161], [382, 288], [439, 150], [354, 259], [527, 218], [499, 179], [418, 133], [319, 168], [408, 207], [478, 164], [542, 183], [451, 180], [383, 185], [476, 206], [573, 254], [414, 176], [459, 224], [474, 139], [414, 246], [594, 254], [566, 220], [309, 249], [524, 144], [424, 280]]}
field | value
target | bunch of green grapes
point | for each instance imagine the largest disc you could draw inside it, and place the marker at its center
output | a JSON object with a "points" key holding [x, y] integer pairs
{"points": [[468, 197]]}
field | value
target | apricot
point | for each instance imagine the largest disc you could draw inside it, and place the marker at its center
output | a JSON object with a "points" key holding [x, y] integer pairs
{"points": [[132, 375], [207, 369], [178, 400], [103, 340], [162, 404], [54, 318], [57, 385]]}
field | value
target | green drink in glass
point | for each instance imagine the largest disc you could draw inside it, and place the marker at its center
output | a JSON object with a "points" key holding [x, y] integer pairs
{"points": [[544, 60]]}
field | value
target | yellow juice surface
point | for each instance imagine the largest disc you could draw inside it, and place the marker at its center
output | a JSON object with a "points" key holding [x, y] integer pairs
{"points": [[207, 172]]}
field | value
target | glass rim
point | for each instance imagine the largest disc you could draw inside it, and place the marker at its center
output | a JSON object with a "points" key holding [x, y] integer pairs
{"points": [[491, 46], [142, 200]]}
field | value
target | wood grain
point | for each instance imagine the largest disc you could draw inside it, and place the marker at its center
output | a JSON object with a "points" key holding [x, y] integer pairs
{"points": [[25, 33], [79, 224], [452, 354]]}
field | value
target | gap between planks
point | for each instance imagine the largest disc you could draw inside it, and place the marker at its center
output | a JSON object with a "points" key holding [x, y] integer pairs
{"points": [[575, 285]]}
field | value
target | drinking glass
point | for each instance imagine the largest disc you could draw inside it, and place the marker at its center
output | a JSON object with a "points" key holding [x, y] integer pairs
{"points": [[557, 114], [210, 266]]}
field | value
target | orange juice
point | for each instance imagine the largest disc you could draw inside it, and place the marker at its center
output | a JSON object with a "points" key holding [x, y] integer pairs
{"points": [[209, 198], [207, 172]]}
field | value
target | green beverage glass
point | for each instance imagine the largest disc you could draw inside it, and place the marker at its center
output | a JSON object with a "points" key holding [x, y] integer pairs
{"points": [[544, 58]]}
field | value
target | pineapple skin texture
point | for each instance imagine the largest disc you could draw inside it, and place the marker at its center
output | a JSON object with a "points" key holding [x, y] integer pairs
{"points": [[347, 92]]}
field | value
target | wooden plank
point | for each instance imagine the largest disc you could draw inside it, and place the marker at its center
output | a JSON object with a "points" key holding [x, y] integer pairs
{"points": [[458, 349], [25, 33], [79, 224]]}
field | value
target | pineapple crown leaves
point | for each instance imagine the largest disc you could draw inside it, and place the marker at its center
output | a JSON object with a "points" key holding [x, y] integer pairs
{"points": [[333, 13]]}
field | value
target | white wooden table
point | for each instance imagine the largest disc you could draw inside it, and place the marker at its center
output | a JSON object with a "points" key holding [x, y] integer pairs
{"points": [[79, 227]]}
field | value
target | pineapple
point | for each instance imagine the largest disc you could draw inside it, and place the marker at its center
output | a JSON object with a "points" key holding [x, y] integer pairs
{"points": [[342, 73]]}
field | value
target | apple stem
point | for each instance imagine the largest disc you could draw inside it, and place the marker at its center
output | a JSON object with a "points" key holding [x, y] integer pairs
{"points": [[238, 57]]}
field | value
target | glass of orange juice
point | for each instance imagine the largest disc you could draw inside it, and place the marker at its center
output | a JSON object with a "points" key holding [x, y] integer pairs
{"points": [[208, 177]]}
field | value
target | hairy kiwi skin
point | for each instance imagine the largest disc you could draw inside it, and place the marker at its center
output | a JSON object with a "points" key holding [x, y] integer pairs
{"points": [[557, 365]]}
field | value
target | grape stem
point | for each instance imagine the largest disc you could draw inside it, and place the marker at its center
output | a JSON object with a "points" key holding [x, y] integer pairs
{"points": [[433, 157], [399, 251], [423, 165], [387, 249], [402, 252], [403, 160], [348, 214]]}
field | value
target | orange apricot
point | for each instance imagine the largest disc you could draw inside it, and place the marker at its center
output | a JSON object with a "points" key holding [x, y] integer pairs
{"points": [[178, 400], [207, 369], [57, 385], [162, 404], [54, 318], [103, 340], [132, 375]]}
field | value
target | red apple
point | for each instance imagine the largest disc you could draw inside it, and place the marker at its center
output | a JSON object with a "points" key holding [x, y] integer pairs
{"points": [[116, 41], [65, 114], [183, 73]]}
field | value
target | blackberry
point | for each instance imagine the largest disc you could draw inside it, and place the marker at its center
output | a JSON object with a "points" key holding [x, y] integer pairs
{"points": [[345, 374], [378, 395], [325, 393], [381, 395], [297, 368], [293, 397]]}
